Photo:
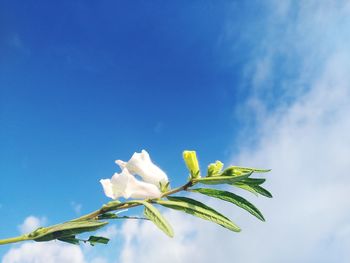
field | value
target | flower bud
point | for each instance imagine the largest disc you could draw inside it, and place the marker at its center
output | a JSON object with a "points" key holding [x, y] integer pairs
{"points": [[214, 169], [191, 161]]}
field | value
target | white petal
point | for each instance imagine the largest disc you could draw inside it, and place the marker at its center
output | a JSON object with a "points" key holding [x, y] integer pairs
{"points": [[120, 182], [126, 185], [107, 188], [141, 164], [145, 156], [121, 164], [141, 190]]}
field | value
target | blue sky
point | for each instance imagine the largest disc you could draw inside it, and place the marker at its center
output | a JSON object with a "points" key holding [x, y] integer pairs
{"points": [[264, 84], [84, 84]]}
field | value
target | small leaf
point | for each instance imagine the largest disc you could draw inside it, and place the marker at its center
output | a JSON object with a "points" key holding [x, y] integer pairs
{"points": [[256, 181], [232, 198], [193, 207], [97, 240], [164, 187], [222, 179], [260, 190], [155, 216], [255, 189], [70, 228], [238, 170], [108, 216], [111, 205]]}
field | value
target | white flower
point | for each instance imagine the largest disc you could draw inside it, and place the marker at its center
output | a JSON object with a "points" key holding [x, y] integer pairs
{"points": [[141, 164], [127, 186]]}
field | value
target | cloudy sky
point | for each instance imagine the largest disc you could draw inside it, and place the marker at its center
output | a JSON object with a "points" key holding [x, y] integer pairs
{"points": [[256, 84]]}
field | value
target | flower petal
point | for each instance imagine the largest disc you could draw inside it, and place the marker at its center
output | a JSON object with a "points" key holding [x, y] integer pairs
{"points": [[120, 183], [141, 164], [141, 190], [121, 164], [107, 188], [125, 185]]}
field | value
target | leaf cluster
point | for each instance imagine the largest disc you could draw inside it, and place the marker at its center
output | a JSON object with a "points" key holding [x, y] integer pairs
{"points": [[215, 178], [234, 176]]}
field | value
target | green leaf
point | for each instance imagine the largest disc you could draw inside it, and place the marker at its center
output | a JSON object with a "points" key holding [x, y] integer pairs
{"points": [[97, 240], [70, 240], [256, 181], [193, 207], [155, 216], [232, 198], [108, 216], [67, 229], [110, 206], [238, 170], [255, 189], [222, 179]]}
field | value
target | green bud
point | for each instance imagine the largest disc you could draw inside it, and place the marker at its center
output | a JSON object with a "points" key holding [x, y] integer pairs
{"points": [[214, 169], [191, 161], [164, 187]]}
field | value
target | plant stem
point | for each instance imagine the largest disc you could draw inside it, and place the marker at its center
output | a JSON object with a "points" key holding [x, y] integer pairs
{"points": [[126, 205], [14, 239], [104, 209], [179, 189]]}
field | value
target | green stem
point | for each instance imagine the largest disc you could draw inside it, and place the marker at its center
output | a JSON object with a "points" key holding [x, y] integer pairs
{"points": [[126, 205], [94, 215], [179, 189], [14, 239]]}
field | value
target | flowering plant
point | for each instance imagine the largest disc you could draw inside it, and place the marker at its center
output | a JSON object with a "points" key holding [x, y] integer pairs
{"points": [[154, 189]]}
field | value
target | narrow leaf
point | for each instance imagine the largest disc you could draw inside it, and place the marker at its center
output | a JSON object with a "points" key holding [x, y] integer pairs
{"points": [[256, 181], [255, 189], [237, 170], [155, 216], [95, 240], [256, 170], [260, 190], [195, 208], [232, 198], [222, 179], [108, 216], [246, 187], [70, 228]]}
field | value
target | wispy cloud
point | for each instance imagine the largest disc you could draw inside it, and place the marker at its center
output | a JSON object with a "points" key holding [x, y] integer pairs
{"points": [[302, 63], [53, 251], [300, 99], [33, 252], [31, 223], [49, 252]]}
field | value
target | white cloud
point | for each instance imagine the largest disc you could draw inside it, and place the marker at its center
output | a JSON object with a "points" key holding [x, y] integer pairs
{"points": [[307, 144], [110, 232], [154, 246], [48, 252], [99, 260], [36, 252], [31, 223]]}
